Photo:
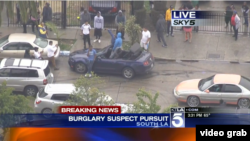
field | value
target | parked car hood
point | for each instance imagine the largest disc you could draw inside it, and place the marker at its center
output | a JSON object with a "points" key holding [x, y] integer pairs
{"points": [[188, 86]]}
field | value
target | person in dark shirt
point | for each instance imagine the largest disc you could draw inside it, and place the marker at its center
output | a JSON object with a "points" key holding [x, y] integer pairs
{"points": [[228, 14], [27, 54], [245, 11], [47, 13]]}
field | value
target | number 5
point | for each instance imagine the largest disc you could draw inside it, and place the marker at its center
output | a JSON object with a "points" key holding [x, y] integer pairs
{"points": [[177, 117]]}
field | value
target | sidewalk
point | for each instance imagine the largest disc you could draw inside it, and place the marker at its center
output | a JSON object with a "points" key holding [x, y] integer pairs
{"points": [[214, 47]]}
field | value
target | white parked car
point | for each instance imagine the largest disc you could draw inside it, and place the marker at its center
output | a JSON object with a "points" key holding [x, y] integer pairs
{"points": [[14, 45], [55, 94]]}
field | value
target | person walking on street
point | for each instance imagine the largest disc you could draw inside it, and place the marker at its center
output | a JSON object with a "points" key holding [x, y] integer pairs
{"points": [[245, 11], [85, 16], [160, 26], [51, 51], [120, 19], [91, 58], [42, 30], [47, 13], [235, 20], [117, 45], [98, 25], [196, 8], [18, 15], [146, 36], [228, 14], [188, 33], [168, 19], [86, 33]]}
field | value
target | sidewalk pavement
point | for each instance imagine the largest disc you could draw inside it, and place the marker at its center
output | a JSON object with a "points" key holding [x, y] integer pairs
{"points": [[210, 47]]}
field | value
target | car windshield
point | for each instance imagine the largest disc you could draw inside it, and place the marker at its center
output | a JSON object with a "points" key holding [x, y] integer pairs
{"points": [[205, 83], [245, 82], [4, 40], [101, 51], [42, 93], [41, 42]]}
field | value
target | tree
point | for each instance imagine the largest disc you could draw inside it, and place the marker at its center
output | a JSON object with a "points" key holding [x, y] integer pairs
{"points": [[26, 9], [11, 104], [147, 103], [133, 30], [87, 93]]}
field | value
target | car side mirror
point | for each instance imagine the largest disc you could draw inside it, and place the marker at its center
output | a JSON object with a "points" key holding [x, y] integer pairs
{"points": [[207, 91]]}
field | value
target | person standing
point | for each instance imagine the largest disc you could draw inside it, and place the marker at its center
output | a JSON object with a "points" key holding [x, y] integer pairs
{"points": [[245, 11], [151, 4], [120, 19], [117, 45], [42, 30], [146, 36], [228, 14], [182, 8], [18, 14], [51, 51], [98, 25], [79, 17], [235, 20], [160, 27], [91, 58], [47, 13], [37, 54], [168, 19], [35, 19], [196, 8], [85, 17], [86, 33]]}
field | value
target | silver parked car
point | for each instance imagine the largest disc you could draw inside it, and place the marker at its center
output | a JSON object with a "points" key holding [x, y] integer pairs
{"points": [[228, 88], [25, 75], [52, 95]]}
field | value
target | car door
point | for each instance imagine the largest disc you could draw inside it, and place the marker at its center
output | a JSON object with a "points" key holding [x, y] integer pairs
{"points": [[231, 93], [23, 47], [213, 95], [57, 99], [19, 78], [9, 50], [4, 75], [104, 65]]}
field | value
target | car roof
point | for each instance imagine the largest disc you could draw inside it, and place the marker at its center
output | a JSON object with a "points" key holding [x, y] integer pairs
{"points": [[59, 88], [27, 63], [227, 79], [22, 37]]}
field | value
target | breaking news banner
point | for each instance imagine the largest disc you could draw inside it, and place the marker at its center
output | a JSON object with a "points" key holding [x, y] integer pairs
{"points": [[193, 18], [90, 109], [232, 132]]}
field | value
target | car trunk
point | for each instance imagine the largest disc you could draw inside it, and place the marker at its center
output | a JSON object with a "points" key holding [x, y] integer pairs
{"points": [[103, 6]]}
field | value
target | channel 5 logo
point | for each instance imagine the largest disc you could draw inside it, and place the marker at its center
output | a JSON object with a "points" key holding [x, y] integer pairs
{"points": [[177, 117]]}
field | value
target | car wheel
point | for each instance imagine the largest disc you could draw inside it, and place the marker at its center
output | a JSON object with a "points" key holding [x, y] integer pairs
{"points": [[81, 68], [47, 113], [244, 103], [128, 73], [30, 91], [193, 101]]}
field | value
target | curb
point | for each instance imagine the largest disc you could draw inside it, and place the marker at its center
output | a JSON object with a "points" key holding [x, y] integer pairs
{"points": [[200, 60]]}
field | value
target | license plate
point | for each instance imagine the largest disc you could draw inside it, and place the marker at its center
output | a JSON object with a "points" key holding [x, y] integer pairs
{"points": [[152, 65]]}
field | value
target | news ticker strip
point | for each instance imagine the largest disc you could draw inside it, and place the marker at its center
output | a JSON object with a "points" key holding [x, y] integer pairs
{"points": [[233, 132]]}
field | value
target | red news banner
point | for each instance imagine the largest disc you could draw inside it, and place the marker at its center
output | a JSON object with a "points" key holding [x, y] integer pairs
{"points": [[90, 109]]}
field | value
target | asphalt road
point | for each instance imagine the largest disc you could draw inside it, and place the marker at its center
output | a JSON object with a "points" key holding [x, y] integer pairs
{"points": [[164, 77]]}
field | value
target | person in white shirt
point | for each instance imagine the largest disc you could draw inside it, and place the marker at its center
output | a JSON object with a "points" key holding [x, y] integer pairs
{"points": [[86, 33], [51, 51], [37, 54], [146, 35]]}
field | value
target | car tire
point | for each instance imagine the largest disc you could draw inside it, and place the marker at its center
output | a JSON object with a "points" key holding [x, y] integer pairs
{"points": [[81, 68], [47, 113], [128, 73], [193, 101], [244, 103], [30, 90]]}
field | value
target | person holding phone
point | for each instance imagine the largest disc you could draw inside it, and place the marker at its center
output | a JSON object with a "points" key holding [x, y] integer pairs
{"points": [[51, 51], [37, 54], [91, 57]]}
